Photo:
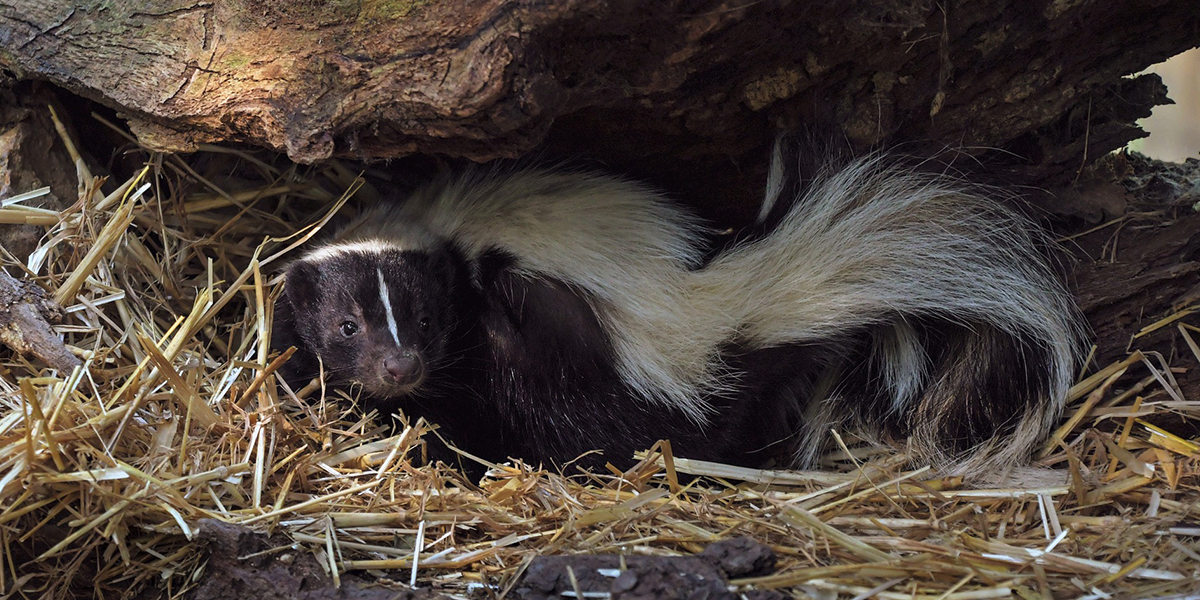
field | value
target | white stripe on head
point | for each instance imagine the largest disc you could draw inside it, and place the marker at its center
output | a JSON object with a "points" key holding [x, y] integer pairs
{"points": [[387, 306]]}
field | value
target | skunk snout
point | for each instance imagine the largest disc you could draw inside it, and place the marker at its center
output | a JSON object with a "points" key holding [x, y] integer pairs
{"points": [[403, 368]]}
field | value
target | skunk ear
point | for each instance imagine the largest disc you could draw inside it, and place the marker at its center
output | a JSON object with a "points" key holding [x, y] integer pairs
{"points": [[283, 325], [448, 264], [488, 268], [301, 285]]}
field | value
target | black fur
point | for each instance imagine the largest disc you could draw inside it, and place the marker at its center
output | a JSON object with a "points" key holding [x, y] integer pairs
{"points": [[515, 365], [518, 366], [965, 399], [521, 367], [430, 286]]}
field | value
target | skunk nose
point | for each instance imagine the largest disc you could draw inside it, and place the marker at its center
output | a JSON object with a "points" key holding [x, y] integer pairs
{"points": [[402, 367]]}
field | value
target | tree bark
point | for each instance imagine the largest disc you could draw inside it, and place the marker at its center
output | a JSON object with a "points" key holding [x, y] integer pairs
{"points": [[643, 86], [1143, 264], [31, 157]]}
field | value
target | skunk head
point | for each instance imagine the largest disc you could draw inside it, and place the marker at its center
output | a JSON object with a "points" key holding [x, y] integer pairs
{"points": [[375, 315]]}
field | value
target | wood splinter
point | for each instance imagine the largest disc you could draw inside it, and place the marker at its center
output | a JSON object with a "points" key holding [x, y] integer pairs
{"points": [[26, 315]]}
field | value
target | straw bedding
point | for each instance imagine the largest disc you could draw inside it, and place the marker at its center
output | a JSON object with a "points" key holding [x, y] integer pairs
{"points": [[167, 279]]}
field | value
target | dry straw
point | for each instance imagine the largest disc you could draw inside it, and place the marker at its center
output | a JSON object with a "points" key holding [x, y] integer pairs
{"points": [[177, 416]]}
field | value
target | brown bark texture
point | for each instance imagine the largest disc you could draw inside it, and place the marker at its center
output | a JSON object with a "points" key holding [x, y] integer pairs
{"points": [[1143, 263], [699, 84], [26, 315], [31, 158]]}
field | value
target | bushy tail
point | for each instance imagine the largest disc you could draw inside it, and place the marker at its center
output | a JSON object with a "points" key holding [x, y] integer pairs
{"points": [[971, 342]]}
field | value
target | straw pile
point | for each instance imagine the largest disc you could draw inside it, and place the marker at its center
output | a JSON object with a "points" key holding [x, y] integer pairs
{"points": [[167, 281]]}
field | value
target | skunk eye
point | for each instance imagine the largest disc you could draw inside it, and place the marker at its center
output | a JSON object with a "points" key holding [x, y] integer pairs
{"points": [[423, 323], [349, 328]]}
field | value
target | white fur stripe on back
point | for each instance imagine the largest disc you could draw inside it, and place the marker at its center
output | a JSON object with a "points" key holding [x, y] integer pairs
{"points": [[868, 247], [362, 246], [387, 307]]}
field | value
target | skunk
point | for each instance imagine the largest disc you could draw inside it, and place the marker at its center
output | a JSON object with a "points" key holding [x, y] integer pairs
{"points": [[543, 315]]}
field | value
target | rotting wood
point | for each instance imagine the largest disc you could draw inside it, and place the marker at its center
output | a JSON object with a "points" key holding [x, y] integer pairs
{"points": [[26, 314], [690, 92]]}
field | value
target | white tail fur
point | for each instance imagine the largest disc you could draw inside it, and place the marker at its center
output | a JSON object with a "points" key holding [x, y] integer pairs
{"points": [[872, 245], [867, 248]]}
